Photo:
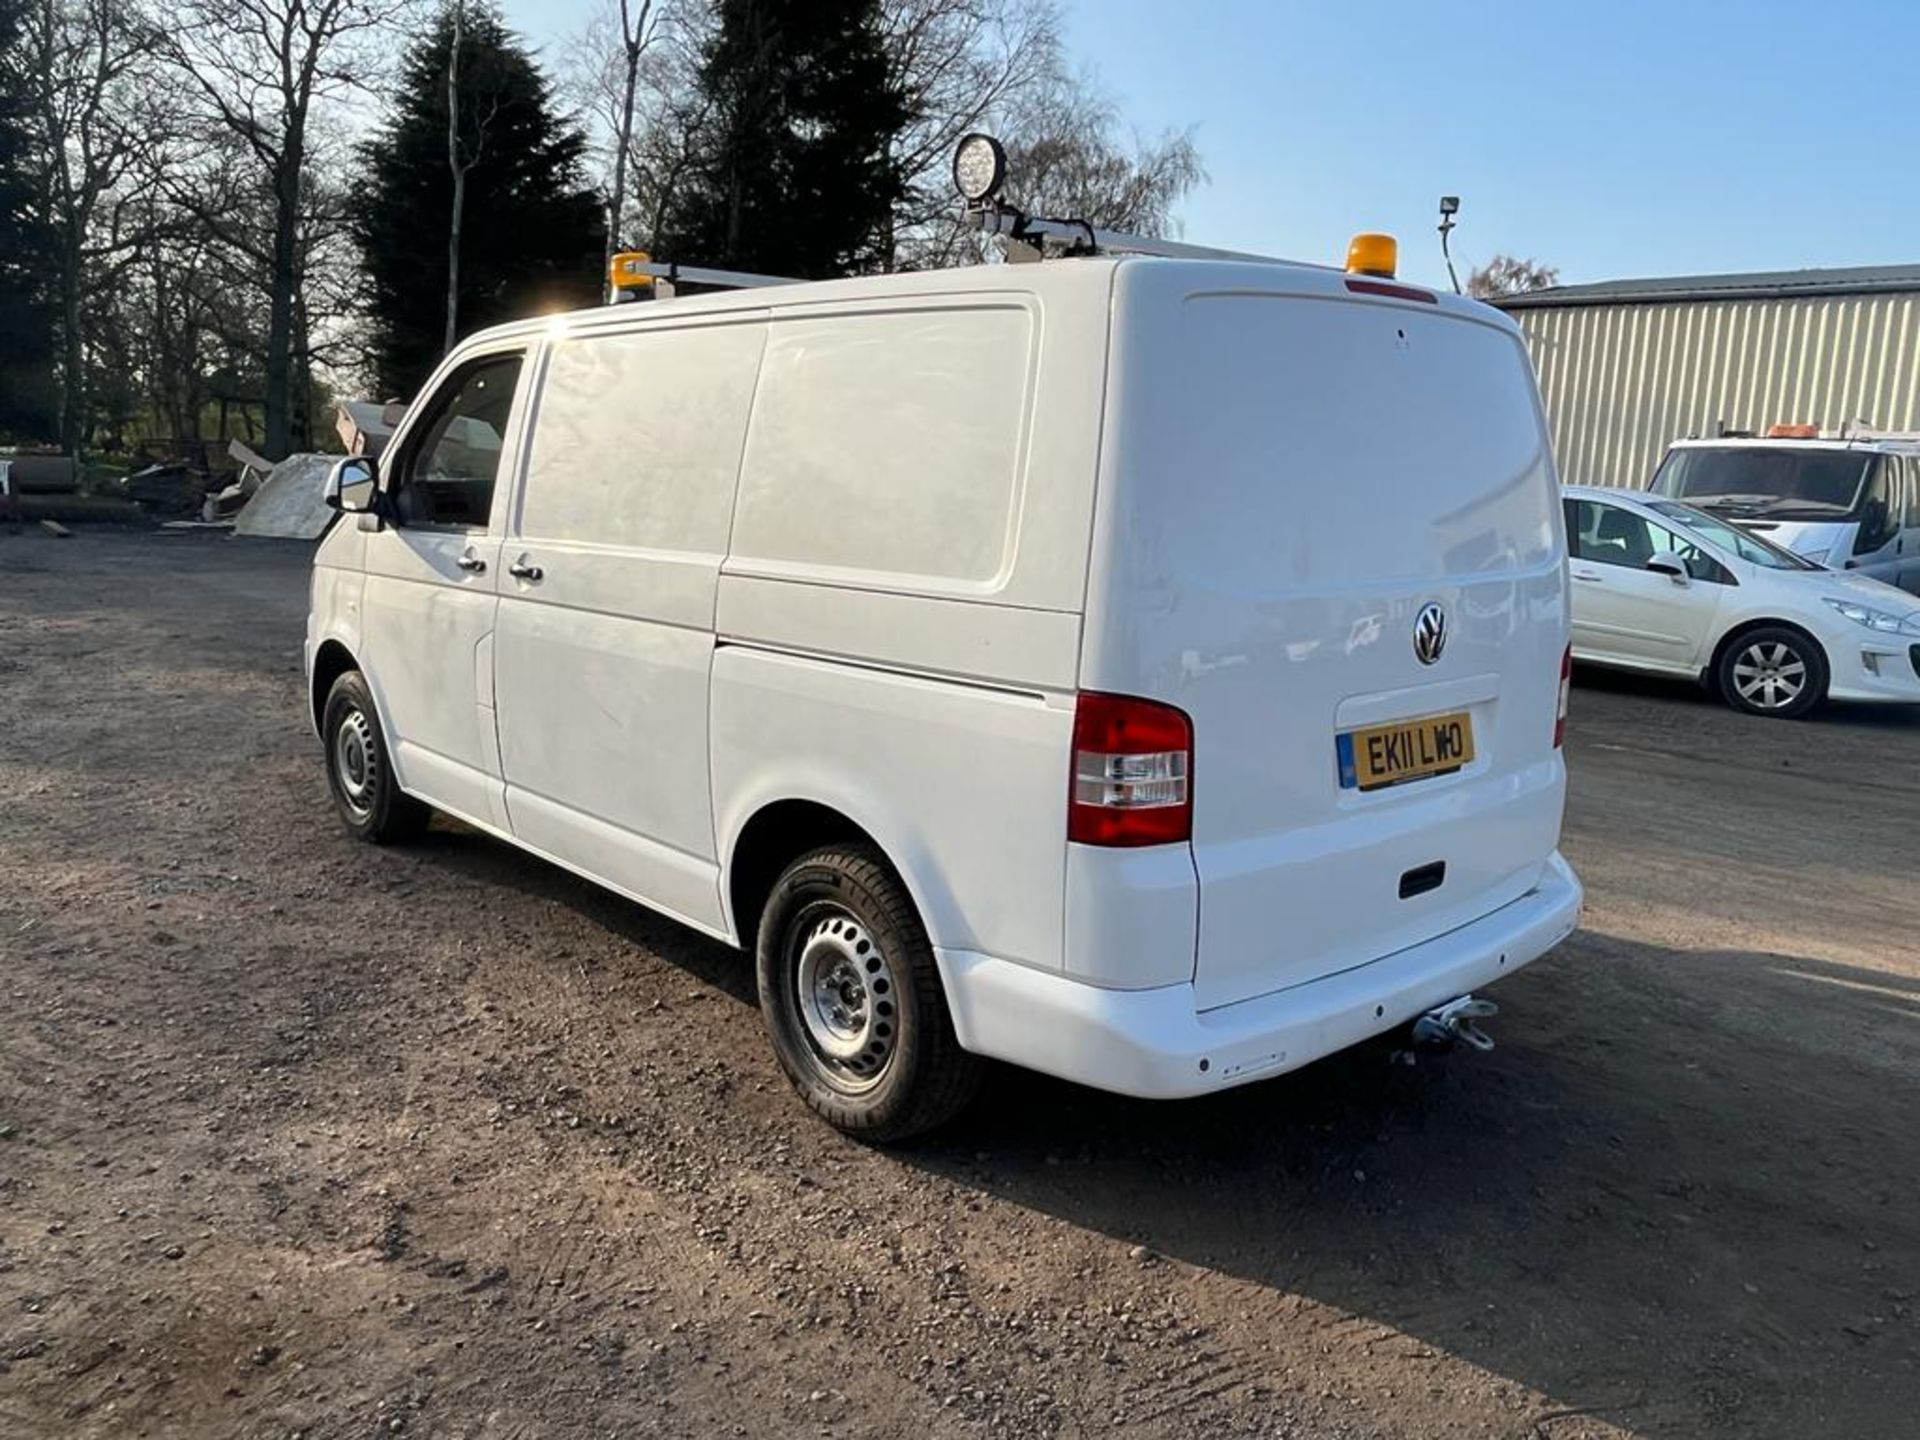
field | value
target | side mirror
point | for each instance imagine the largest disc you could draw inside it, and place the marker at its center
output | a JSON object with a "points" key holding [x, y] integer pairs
{"points": [[352, 485], [1668, 566]]}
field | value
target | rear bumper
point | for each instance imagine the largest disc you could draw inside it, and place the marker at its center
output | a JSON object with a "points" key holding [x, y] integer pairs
{"points": [[1153, 1043]]}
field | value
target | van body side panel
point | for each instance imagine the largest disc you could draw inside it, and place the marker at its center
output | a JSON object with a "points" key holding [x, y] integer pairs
{"points": [[1292, 474], [939, 445], [994, 644], [602, 663], [899, 615], [960, 785]]}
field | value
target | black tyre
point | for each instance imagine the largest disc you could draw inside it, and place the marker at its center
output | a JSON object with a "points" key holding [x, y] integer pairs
{"points": [[852, 999], [359, 772], [1773, 671]]}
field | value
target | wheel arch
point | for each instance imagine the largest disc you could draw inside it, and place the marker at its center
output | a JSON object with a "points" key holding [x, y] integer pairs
{"points": [[332, 660], [779, 831], [1747, 627]]}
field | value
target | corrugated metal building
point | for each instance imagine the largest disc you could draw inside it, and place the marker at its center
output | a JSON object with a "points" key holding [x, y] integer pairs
{"points": [[1630, 365]]}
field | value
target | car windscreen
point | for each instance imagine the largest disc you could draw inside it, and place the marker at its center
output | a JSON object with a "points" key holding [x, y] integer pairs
{"points": [[1750, 548], [1779, 482]]}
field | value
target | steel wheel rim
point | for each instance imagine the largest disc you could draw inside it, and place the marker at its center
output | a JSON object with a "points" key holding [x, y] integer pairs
{"points": [[1769, 675], [356, 760], [846, 994]]}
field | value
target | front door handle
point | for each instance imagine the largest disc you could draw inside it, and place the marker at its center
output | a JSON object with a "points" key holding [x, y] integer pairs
{"points": [[1591, 577], [472, 563], [525, 569]]}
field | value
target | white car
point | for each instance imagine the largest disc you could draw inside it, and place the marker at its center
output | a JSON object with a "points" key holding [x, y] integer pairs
{"points": [[1665, 587], [1147, 671]]}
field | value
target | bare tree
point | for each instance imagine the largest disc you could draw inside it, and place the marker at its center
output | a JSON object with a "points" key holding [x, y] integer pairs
{"points": [[259, 70], [85, 56], [1506, 275], [1066, 158], [637, 32], [459, 167], [631, 72], [964, 65]]}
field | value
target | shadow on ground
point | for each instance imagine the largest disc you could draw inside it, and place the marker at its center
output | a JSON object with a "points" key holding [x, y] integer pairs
{"points": [[1672, 1155]]}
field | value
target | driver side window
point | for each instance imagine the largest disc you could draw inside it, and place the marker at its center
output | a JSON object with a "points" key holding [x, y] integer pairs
{"points": [[1876, 512], [1609, 535], [446, 477]]}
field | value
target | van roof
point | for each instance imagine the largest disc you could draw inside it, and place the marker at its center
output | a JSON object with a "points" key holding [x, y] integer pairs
{"points": [[1051, 276], [1883, 444]]}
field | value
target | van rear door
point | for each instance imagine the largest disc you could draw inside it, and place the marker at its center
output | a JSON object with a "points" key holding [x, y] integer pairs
{"points": [[1329, 531]]}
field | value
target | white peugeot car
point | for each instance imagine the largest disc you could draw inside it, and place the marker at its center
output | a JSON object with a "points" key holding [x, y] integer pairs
{"points": [[1662, 586]]}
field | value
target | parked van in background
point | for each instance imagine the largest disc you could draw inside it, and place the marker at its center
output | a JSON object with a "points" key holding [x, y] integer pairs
{"points": [[1151, 672], [1845, 504]]}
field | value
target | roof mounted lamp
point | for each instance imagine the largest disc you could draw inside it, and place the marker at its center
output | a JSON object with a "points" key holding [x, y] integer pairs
{"points": [[979, 170], [1371, 253], [980, 173], [1449, 207]]}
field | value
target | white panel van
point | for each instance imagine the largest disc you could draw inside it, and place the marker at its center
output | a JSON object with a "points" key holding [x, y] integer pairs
{"points": [[1151, 672], [1846, 504]]}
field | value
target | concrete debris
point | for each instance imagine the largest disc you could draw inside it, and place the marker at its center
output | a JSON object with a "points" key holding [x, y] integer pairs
{"points": [[291, 503], [249, 459], [365, 427], [168, 489]]}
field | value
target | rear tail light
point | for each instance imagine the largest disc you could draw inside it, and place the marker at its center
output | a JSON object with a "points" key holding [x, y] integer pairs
{"points": [[1132, 772], [1566, 684]]}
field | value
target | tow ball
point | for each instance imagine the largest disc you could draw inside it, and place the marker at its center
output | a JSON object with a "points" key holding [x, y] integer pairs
{"points": [[1444, 1025]]}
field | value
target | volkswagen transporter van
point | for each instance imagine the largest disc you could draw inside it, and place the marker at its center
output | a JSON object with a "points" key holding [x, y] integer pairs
{"points": [[1147, 671]]}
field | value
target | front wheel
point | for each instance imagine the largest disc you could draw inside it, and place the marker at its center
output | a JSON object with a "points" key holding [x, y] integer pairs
{"points": [[852, 999], [1773, 671], [359, 770]]}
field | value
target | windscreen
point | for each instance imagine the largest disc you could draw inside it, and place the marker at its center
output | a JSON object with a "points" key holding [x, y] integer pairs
{"points": [[1777, 481], [1324, 443], [1750, 548]]}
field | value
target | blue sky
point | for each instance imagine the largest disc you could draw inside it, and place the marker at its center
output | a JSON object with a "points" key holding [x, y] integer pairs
{"points": [[1610, 137]]}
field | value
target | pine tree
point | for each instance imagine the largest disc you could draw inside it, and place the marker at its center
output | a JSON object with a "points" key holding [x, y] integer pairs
{"points": [[797, 177], [28, 390], [532, 236]]}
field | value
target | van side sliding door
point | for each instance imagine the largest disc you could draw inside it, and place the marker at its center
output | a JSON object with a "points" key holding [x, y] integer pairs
{"points": [[609, 574]]}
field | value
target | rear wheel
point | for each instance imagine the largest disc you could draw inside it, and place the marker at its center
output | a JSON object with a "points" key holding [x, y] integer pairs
{"points": [[852, 999], [1773, 671], [359, 771]]}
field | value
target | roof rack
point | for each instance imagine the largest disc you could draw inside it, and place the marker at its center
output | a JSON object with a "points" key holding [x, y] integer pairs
{"points": [[633, 273], [1028, 237], [1860, 430], [979, 173]]}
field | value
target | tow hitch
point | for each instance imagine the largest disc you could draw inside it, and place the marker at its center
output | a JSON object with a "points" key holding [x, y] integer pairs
{"points": [[1442, 1026]]}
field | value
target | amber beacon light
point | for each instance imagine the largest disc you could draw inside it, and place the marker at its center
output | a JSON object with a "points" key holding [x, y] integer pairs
{"points": [[1373, 254]]}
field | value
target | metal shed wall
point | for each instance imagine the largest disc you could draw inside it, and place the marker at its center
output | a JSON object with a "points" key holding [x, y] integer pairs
{"points": [[1621, 381]]}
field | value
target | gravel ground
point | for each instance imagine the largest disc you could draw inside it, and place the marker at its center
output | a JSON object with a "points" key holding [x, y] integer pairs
{"points": [[303, 1138]]}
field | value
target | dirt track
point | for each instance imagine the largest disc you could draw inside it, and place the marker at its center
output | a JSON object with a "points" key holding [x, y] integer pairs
{"points": [[300, 1137]]}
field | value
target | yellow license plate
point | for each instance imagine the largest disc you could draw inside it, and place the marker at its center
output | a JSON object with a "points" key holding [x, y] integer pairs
{"points": [[1405, 750]]}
